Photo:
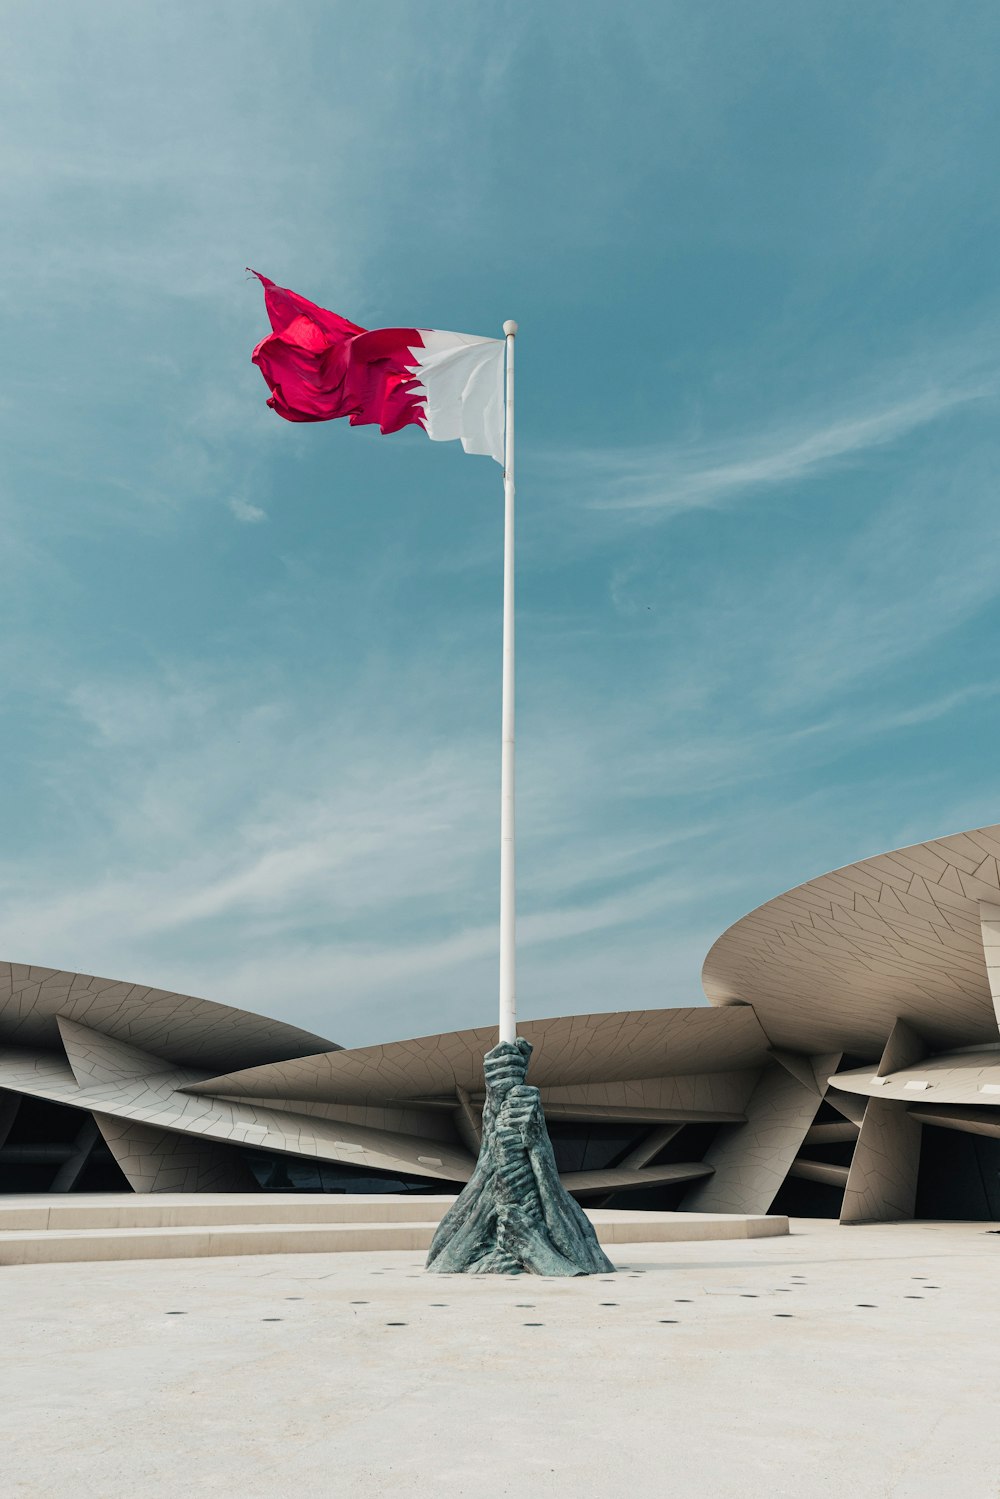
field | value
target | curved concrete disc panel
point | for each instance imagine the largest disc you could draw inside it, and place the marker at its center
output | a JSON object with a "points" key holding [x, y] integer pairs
{"points": [[156, 1099], [572, 1049], [971, 1077], [178, 1027], [836, 962]]}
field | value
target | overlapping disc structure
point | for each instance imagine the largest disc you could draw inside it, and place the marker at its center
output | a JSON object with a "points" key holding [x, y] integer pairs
{"points": [[847, 1064]]}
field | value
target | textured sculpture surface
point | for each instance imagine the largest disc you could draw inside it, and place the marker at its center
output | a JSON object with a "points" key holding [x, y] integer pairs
{"points": [[514, 1214]]}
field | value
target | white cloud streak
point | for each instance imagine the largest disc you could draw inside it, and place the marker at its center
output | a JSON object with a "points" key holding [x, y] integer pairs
{"points": [[249, 515], [676, 477]]}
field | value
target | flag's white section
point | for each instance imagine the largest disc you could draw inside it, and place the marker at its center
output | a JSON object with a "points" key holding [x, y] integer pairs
{"points": [[462, 390]]}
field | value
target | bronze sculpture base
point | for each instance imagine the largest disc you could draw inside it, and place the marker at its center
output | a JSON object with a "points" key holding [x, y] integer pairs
{"points": [[514, 1214]]}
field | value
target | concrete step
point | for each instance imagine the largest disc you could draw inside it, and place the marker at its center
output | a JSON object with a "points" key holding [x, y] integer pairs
{"points": [[625, 1226], [170, 1226], [111, 1210], [49, 1246]]}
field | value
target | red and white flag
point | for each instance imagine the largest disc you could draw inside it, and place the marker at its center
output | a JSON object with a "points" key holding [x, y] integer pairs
{"points": [[319, 366]]}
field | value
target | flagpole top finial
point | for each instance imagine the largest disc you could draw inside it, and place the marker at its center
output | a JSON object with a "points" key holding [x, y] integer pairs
{"points": [[510, 328]]}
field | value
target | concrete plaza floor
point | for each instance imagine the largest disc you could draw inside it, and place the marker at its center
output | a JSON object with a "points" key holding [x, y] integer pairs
{"points": [[861, 1363]]}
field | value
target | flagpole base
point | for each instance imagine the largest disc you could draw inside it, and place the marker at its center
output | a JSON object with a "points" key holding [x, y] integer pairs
{"points": [[514, 1215]]}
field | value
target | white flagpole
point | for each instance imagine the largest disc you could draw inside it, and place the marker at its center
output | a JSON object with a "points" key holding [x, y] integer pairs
{"points": [[508, 1016]]}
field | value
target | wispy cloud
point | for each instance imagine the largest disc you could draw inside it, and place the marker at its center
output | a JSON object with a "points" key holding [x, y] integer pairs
{"points": [[250, 515], [685, 477], [873, 725], [295, 881]]}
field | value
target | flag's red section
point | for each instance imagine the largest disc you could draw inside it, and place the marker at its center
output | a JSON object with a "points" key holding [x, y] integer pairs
{"points": [[320, 366]]}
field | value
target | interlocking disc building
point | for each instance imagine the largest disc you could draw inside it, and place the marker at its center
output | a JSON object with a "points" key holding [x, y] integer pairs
{"points": [[848, 1064]]}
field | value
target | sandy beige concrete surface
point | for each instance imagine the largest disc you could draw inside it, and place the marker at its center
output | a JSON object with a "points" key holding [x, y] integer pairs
{"points": [[848, 1363]]}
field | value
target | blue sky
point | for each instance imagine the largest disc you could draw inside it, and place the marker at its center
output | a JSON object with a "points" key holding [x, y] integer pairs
{"points": [[249, 671]]}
